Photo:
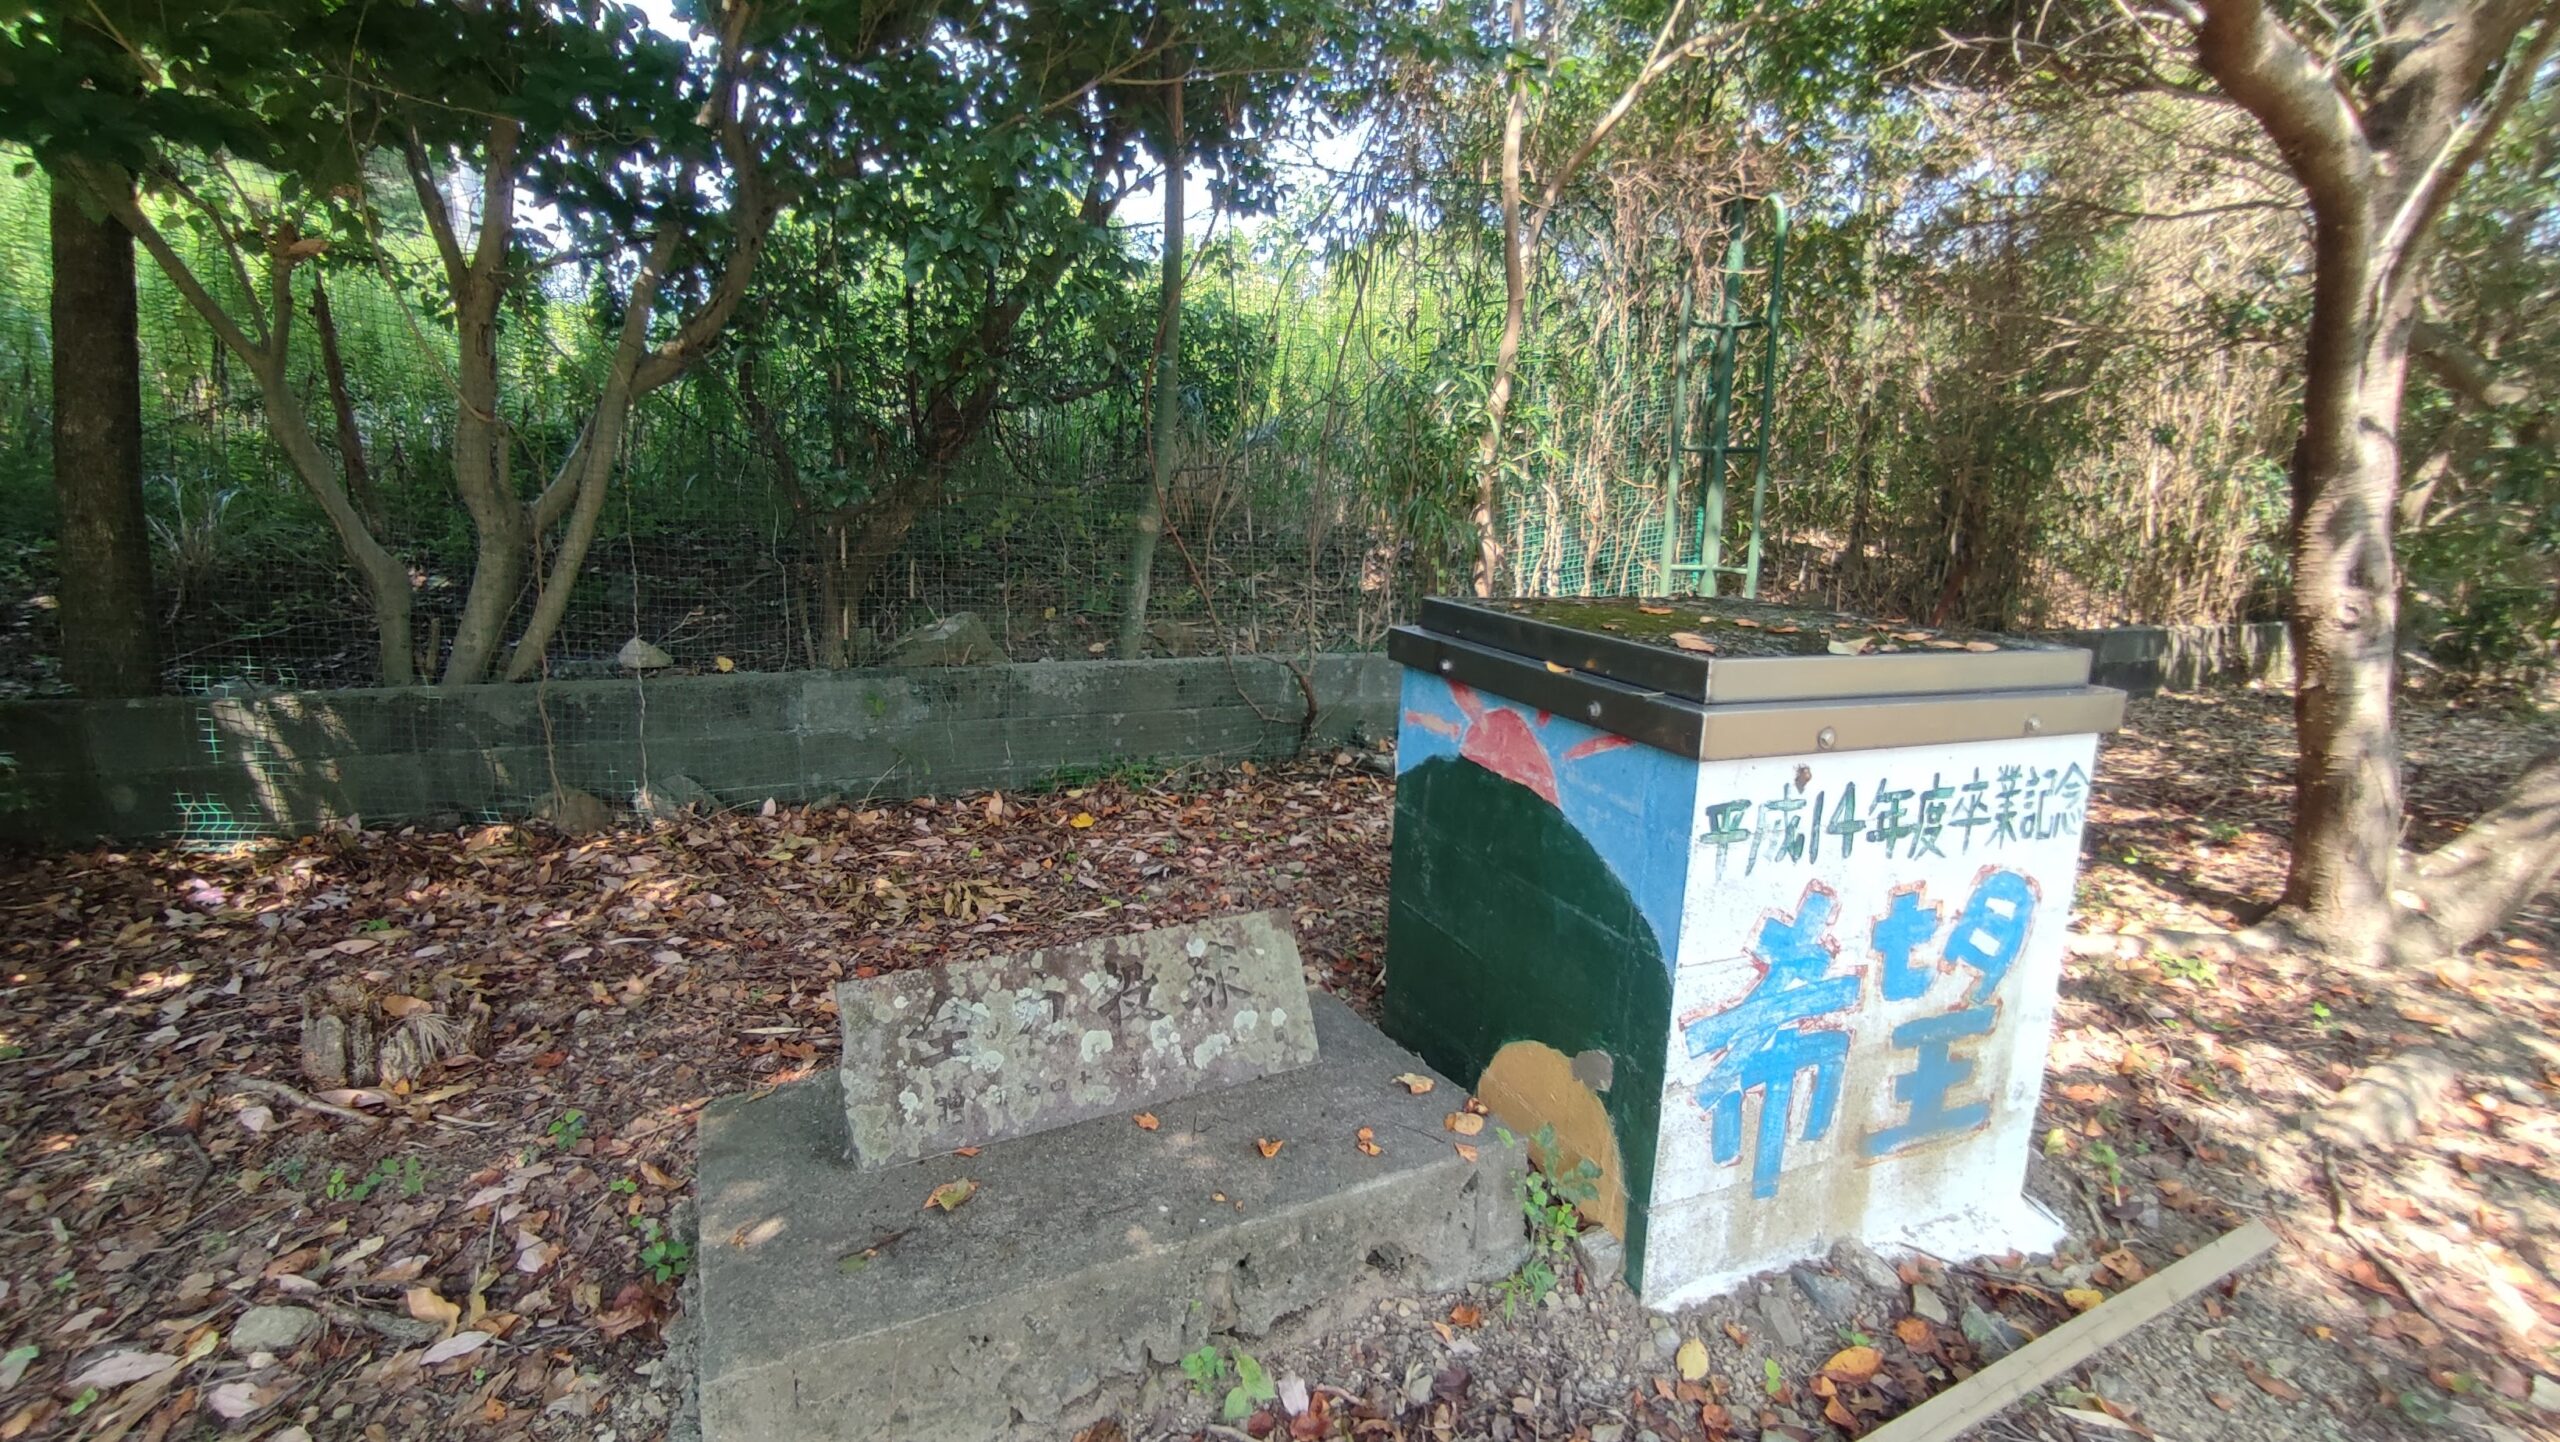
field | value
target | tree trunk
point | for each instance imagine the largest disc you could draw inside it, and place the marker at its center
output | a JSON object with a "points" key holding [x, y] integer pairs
{"points": [[482, 449], [481, 473], [109, 645], [385, 576], [1164, 439], [2379, 153], [342, 405], [1515, 319], [839, 597], [2473, 883], [2345, 621]]}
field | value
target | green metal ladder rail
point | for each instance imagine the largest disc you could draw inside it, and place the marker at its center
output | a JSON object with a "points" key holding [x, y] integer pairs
{"points": [[1719, 451]]}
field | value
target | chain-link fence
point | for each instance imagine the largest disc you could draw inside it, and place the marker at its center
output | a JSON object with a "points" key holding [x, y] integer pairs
{"points": [[1333, 412]]}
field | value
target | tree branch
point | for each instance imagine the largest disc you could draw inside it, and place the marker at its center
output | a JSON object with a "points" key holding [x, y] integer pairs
{"points": [[118, 201], [2469, 140], [439, 215], [2264, 66], [2462, 369]]}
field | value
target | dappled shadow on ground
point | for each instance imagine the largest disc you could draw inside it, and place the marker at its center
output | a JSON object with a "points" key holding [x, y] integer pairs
{"points": [[152, 1195], [2422, 1287]]}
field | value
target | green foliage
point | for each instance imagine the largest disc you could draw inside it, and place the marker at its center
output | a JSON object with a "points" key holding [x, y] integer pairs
{"points": [[664, 1257], [567, 1129], [1208, 1369], [1549, 1198], [2013, 394], [407, 1175]]}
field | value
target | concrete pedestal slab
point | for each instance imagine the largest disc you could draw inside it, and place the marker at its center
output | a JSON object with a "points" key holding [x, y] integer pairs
{"points": [[1089, 1256]]}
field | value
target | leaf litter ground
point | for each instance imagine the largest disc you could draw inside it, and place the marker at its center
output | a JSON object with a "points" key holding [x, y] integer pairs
{"points": [[190, 1241]]}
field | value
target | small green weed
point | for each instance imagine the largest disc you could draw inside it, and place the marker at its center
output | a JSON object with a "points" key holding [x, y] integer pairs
{"points": [[2105, 1156], [2198, 969], [1208, 1370], [567, 1129], [1548, 1202], [407, 1173], [666, 1258]]}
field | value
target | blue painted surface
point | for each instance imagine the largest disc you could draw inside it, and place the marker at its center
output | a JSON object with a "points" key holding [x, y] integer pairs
{"points": [[1987, 937], [1937, 1073], [1765, 1044], [1633, 803], [1906, 926]]}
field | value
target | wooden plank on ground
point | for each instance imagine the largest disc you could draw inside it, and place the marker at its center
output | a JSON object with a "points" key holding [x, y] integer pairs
{"points": [[1987, 1393]]}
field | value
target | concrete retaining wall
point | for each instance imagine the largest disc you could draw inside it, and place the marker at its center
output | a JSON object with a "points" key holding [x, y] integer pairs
{"points": [[2147, 659], [221, 768]]}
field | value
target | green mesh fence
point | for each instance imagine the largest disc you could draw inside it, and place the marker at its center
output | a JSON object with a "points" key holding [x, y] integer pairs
{"points": [[1326, 479]]}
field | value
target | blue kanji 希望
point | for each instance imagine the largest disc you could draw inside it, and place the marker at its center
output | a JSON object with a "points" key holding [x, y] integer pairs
{"points": [[1765, 1044]]}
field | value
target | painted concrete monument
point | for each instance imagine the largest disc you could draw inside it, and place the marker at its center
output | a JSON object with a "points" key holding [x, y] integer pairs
{"points": [[1766, 921]]}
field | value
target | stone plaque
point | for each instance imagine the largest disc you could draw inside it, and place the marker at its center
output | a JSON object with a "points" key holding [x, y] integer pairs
{"points": [[953, 1056]]}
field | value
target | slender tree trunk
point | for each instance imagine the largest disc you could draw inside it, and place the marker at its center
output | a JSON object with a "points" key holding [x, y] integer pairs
{"points": [[838, 596], [385, 576], [482, 449], [1515, 318], [581, 485], [481, 473], [342, 405], [1165, 434], [109, 645]]}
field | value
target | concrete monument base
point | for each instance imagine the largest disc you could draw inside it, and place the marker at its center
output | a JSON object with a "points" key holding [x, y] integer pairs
{"points": [[1090, 1256]]}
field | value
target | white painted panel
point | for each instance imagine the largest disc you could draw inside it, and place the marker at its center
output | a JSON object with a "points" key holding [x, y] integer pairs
{"points": [[1873, 939]]}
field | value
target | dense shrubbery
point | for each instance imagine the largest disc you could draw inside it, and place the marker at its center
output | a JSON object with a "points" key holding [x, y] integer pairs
{"points": [[2036, 374]]}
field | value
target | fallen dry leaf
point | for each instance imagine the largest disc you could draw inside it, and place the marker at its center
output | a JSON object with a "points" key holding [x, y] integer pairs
{"points": [[1466, 1315], [1692, 641], [1691, 1359], [1415, 1082], [1268, 1146], [950, 1195], [1146, 1121], [1465, 1151], [2269, 1383], [1081, 820], [460, 1344], [2081, 1299], [426, 1304], [1914, 1332], [1655, 610], [1853, 1364], [1367, 1141], [1465, 1124]]}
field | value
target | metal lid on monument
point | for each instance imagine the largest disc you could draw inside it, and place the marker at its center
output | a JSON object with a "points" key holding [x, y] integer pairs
{"points": [[1729, 679]]}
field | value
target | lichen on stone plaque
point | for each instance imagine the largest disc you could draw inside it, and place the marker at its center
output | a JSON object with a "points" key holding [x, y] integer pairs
{"points": [[977, 1051]]}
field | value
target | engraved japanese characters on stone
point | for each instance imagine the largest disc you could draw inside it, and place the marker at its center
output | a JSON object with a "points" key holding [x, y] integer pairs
{"points": [[973, 1052]]}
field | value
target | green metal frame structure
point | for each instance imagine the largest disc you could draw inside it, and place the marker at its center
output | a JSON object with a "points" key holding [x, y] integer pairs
{"points": [[1715, 455]]}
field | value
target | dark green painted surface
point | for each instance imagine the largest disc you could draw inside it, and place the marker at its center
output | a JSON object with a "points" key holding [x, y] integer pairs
{"points": [[1505, 925]]}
